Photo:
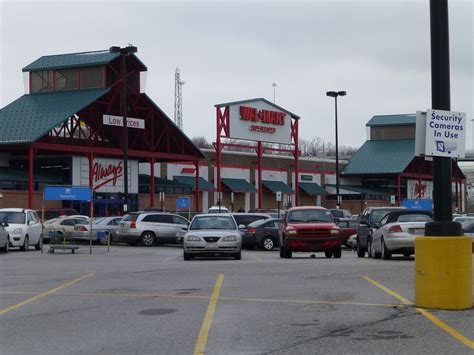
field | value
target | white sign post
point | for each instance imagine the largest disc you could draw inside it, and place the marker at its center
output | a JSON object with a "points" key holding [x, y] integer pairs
{"points": [[445, 133]]}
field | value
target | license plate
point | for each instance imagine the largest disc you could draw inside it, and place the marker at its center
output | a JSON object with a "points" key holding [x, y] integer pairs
{"points": [[418, 231], [211, 246]]}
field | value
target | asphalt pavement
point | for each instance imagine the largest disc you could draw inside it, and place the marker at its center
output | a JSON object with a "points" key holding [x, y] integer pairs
{"points": [[136, 300]]}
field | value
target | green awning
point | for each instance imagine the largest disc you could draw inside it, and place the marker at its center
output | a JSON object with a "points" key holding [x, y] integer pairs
{"points": [[204, 185], [388, 157], [30, 117], [238, 185], [21, 175], [363, 190], [312, 188], [275, 186]]}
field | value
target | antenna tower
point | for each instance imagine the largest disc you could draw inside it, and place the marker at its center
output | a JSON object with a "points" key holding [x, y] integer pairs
{"points": [[178, 99]]}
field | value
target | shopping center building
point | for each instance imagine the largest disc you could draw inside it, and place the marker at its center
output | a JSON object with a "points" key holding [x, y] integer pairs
{"points": [[68, 130]]}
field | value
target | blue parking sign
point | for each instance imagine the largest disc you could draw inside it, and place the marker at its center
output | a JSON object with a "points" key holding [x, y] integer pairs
{"points": [[182, 202]]}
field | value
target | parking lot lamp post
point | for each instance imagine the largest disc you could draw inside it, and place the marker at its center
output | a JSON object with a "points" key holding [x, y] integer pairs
{"points": [[335, 94], [124, 52]]}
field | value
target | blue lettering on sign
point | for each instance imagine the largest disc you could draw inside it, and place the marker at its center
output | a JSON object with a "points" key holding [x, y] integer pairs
{"points": [[67, 193], [182, 202]]}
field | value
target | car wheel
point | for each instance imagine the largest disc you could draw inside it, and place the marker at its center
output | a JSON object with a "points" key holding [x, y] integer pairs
{"points": [[369, 250], [386, 254], [147, 239], [360, 251], [187, 256], [282, 252], [374, 253], [328, 253], [238, 256], [105, 240], [39, 245], [26, 244], [268, 243], [6, 248], [287, 253], [337, 253]]}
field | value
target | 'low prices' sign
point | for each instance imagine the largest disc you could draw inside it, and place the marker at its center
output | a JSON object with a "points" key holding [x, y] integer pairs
{"points": [[442, 132]]}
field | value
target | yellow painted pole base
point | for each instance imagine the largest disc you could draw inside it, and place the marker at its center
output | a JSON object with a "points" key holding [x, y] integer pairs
{"points": [[443, 272]]}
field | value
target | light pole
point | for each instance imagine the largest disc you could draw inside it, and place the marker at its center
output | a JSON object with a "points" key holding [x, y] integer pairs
{"points": [[274, 85], [124, 52], [335, 94]]}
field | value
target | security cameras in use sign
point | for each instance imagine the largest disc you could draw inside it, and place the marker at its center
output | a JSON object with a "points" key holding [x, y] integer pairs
{"points": [[440, 133]]}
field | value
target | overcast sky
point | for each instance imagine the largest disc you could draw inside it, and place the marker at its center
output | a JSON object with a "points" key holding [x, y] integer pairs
{"points": [[378, 51]]}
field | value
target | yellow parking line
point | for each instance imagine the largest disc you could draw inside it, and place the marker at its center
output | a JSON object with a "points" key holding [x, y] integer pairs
{"points": [[206, 324], [309, 302], [435, 320], [46, 293], [204, 297]]}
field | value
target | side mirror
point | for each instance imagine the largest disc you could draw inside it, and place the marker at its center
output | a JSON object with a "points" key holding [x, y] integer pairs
{"points": [[30, 223], [364, 222], [336, 219], [242, 226]]}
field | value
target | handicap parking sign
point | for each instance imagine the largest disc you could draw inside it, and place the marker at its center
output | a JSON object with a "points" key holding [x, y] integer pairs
{"points": [[182, 202]]}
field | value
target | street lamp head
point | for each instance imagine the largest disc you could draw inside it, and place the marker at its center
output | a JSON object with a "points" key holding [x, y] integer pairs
{"points": [[331, 93], [125, 50], [341, 93]]}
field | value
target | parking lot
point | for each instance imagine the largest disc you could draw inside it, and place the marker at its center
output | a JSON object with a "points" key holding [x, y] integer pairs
{"points": [[151, 301]]}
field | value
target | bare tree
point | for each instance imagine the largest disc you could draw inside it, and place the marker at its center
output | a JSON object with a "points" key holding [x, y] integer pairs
{"points": [[201, 142]]}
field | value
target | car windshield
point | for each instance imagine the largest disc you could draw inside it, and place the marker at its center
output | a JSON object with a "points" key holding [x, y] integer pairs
{"points": [[12, 217], [414, 218], [213, 222], [377, 215], [98, 220], [337, 213], [309, 215]]}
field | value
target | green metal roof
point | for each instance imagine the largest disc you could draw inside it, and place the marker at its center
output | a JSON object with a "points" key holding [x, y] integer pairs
{"points": [[204, 185], [381, 157], [238, 185], [30, 117], [312, 188], [275, 186], [144, 179], [72, 60], [364, 190], [392, 120], [21, 175]]}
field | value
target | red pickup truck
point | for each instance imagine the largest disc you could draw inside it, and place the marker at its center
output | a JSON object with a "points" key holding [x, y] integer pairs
{"points": [[309, 229]]}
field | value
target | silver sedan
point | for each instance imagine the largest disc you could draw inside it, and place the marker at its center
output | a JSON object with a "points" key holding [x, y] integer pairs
{"points": [[107, 225], [397, 233], [212, 235]]}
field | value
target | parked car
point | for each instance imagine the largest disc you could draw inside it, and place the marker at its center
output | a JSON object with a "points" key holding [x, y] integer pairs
{"points": [[462, 219], [244, 219], [217, 209], [397, 233], [262, 234], [149, 228], [211, 235], [340, 213], [108, 225], [468, 229], [347, 228], [4, 242], [272, 212], [368, 223], [352, 241], [24, 227], [309, 229], [63, 226], [51, 213]]}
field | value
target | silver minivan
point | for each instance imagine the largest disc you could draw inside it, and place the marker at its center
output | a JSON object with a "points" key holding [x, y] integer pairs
{"points": [[149, 228]]}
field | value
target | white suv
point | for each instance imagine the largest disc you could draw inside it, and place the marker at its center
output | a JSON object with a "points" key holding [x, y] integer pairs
{"points": [[23, 226]]}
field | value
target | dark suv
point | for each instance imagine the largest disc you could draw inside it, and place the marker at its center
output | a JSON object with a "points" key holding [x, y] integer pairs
{"points": [[246, 218], [368, 223], [309, 229]]}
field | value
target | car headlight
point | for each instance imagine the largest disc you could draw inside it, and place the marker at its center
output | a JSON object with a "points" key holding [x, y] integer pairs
{"points": [[230, 238], [17, 231], [193, 238], [334, 231], [291, 232]]}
